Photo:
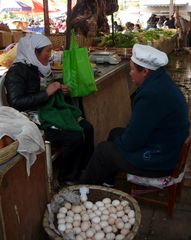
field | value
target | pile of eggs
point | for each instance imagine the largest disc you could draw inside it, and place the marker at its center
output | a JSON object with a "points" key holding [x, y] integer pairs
{"points": [[106, 219]]}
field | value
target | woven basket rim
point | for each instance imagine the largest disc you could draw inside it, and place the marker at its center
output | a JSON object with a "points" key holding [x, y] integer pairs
{"points": [[6, 153], [133, 202]]}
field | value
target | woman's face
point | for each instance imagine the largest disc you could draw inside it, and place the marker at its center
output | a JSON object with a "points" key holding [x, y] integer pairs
{"points": [[44, 55], [137, 76]]}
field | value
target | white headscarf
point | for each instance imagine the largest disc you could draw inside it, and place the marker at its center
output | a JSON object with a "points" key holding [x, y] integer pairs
{"points": [[26, 51]]}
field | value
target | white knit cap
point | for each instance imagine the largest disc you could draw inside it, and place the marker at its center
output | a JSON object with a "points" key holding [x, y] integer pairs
{"points": [[148, 57]]}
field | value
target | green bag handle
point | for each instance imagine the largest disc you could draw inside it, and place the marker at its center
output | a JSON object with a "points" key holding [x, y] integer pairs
{"points": [[73, 42]]}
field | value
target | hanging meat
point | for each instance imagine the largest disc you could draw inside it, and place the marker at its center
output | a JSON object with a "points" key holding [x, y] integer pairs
{"points": [[111, 6], [90, 17]]}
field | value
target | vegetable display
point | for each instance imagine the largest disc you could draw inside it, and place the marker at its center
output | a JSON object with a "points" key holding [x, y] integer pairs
{"points": [[127, 40]]}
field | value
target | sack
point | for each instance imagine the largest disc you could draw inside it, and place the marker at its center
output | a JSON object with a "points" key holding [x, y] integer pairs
{"points": [[8, 56], [77, 70]]}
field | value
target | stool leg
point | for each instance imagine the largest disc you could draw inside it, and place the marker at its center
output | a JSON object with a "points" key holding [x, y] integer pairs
{"points": [[171, 199]]}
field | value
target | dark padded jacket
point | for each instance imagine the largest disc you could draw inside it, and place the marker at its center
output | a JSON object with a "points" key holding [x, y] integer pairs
{"points": [[158, 126], [22, 83]]}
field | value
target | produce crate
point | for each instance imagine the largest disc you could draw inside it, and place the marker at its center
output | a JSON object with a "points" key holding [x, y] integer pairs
{"points": [[5, 39], [59, 41], [16, 35], [96, 193]]}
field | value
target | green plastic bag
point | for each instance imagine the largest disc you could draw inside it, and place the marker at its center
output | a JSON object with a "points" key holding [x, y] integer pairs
{"points": [[77, 70]]}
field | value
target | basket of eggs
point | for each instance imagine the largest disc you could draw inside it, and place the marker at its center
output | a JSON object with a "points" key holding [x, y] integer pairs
{"points": [[84, 212]]}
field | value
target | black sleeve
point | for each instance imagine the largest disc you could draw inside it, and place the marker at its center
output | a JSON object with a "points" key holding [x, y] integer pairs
{"points": [[22, 93]]}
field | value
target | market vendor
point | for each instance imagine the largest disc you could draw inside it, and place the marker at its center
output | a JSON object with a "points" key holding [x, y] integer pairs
{"points": [[62, 122], [159, 124]]}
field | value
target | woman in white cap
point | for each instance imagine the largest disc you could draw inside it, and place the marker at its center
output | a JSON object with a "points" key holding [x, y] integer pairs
{"points": [[151, 143], [27, 92]]}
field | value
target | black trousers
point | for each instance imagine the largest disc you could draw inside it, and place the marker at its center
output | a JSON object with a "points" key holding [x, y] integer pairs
{"points": [[108, 160], [77, 149]]}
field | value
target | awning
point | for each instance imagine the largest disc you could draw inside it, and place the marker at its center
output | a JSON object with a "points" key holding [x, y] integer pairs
{"points": [[164, 3]]}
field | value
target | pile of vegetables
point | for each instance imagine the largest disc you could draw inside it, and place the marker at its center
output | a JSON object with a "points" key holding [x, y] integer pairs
{"points": [[127, 40]]}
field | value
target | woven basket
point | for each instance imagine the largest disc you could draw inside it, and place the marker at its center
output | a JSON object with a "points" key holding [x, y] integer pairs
{"points": [[97, 193], [9, 151]]}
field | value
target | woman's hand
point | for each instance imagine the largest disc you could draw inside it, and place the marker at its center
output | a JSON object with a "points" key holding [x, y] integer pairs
{"points": [[65, 89], [53, 87]]}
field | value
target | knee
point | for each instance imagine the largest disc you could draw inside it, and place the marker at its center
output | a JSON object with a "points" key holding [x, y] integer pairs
{"points": [[77, 138]]}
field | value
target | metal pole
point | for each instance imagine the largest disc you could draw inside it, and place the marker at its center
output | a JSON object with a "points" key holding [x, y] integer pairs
{"points": [[68, 23]]}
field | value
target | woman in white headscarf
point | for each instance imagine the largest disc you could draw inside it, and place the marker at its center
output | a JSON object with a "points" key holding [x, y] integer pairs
{"points": [[25, 92]]}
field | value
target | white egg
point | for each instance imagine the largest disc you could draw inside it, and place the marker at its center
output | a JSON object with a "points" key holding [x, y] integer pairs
{"points": [[106, 200], [104, 217], [115, 203], [107, 229], [105, 212], [111, 220], [119, 207], [125, 218], [94, 207], [76, 209], [84, 198], [61, 220], [131, 214], [68, 205], [70, 213], [96, 226], [127, 225], [120, 214], [63, 210], [77, 217], [92, 215], [112, 215], [99, 204], [77, 230], [119, 223], [108, 205], [60, 215], [124, 203], [114, 229], [131, 221], [69, 219], [99, 235], [85, 217], [110, 236], [79, 237], [96, 220], [69, 226], [76, 223], [61, 227], [124, 231], [102, 208], [127, 209], [90, 232], [112, 209], [88, 204], [85, 226], [119, 237], [98, 213], [103, 224]]}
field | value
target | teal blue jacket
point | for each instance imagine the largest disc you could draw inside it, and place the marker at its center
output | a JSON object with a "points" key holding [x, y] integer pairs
{"points": [[158, 126]]}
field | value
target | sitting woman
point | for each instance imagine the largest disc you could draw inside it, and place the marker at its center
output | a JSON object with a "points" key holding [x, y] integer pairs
{"points": [[159, 124], [27, 92]]}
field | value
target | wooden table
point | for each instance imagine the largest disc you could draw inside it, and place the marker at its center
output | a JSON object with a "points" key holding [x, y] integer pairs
{"points": [[110, 106]]}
